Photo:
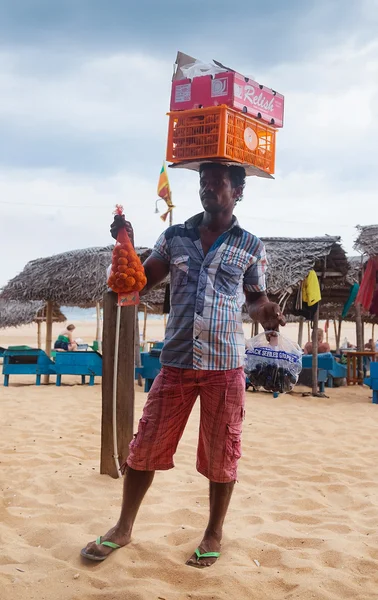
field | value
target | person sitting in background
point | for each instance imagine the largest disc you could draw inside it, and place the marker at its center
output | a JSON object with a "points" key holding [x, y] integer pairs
{"points": [[370, 346], [65, 341], [322, 346]]}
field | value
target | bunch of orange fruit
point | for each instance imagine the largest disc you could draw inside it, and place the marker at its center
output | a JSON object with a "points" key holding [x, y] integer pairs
{"points": [[127, 274]]}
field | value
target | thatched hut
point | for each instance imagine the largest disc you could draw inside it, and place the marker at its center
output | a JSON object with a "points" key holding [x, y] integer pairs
{"points": [[367, 241]]}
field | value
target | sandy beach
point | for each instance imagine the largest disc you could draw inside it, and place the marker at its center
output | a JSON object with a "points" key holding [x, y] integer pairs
{"points": [[302, 522]]}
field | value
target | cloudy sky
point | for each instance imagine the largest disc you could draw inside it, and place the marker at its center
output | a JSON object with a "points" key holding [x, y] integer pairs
{"points": [[84, 91]]}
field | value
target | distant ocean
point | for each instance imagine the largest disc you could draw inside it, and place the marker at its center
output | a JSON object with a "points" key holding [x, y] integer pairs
{"points": [[89, 314]]}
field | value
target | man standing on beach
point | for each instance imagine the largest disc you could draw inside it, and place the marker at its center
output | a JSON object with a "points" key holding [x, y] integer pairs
{"points": [[213, 264]]}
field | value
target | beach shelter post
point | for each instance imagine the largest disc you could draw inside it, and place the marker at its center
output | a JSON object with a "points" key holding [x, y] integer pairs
{"points": [[125, 383], [360, 340], [98, 324], [315, 353], [308, 331], [300, 332], [49, 314], [39, 341], [338, 338], [145, 324]]}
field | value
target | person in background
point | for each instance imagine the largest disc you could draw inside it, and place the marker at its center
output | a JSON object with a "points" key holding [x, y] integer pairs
{"points": [[370, 346], [322, 346], [65, 341]]}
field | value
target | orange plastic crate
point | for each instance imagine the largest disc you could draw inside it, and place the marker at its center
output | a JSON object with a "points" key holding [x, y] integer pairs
{"points": [[221, 132]]}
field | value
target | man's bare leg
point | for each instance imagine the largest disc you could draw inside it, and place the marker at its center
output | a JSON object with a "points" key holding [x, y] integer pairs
{"points": [[220, 496], [135, 486]]}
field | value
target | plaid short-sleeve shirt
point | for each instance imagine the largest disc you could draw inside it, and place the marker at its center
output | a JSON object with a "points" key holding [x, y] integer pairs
{"points": [[204, 329]]}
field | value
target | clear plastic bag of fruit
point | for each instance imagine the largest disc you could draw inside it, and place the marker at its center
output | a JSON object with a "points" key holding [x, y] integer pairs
{"points": [[273, 362], [127, 273]]}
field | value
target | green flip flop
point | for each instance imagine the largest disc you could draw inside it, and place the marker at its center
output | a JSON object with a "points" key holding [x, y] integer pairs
{"points": [[111, 545], [198, 554]]}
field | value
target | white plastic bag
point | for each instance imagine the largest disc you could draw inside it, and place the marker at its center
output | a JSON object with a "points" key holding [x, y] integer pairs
{"points": [[275, 364], [199, 68]]}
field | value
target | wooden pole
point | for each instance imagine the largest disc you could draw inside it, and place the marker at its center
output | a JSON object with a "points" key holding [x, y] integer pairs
{"points": [[171, 212], [98, 324], [315, 353], [300, 332], [335, 329], [138, 361], [327, 334], [308, 331], [145, 324], [256, 328], [125, 383], [338, 338], [49, 312], [360, 343], [39, 341]]}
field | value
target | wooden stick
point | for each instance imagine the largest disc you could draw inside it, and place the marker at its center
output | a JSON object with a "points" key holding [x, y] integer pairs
{"points": [[338, 338], [145, 324], [138, 360], [315, 353], [98, 324], [308, 331], [39, 341], [49, 312], [360, 343], [125, 383], [335, 329], [300, 332]]}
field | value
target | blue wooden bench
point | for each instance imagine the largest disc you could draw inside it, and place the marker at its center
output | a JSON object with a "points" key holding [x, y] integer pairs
{"points": [[372, 381], [27, 362], [150, 367], [327, 363], [78, 363]]}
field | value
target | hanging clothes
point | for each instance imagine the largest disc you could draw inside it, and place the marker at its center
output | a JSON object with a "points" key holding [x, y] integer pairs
{"points": [[311, 289], [349, 303], [368, 284]]}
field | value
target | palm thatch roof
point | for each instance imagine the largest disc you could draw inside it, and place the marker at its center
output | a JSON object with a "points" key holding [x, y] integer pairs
{"points": [[367, 241], [14, 313], [291, 259], [74, 278]]}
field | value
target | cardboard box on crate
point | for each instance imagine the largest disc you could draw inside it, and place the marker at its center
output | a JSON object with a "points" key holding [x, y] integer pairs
{"points": [[221, 133], [223, 86]]}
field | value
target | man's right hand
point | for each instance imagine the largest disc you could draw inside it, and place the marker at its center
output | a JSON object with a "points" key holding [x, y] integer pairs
{"points": [[121, 223]]}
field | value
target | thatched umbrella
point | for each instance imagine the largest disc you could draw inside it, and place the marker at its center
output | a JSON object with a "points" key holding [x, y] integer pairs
{"points": [[73, 278], [14, 313]]}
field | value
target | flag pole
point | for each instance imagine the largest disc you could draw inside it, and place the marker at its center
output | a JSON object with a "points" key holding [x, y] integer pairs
{"points": [[171, 212]]}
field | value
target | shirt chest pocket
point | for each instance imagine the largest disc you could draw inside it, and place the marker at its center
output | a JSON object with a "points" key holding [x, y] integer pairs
{"points": [[180, 270], [230, 273], [228, 278]]}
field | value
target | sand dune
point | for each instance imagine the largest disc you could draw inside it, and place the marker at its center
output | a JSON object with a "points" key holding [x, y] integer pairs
{"points": [[305, 507]]}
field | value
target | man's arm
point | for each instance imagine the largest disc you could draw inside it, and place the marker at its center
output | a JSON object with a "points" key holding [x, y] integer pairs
{"points": [[156, 271]]}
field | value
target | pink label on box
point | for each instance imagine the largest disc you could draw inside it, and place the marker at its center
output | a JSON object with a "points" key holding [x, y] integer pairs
{"points": [[258, 99], [183, 92]]}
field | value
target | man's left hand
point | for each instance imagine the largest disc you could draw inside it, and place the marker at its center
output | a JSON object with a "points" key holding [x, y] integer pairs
{"points": [[270, 316]]}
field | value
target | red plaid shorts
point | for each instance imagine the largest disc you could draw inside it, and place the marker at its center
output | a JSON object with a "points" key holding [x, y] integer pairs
{"points": [[166, 413]]}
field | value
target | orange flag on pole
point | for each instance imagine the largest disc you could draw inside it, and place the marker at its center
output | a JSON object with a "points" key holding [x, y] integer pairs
{"points": [[164, 191]]}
